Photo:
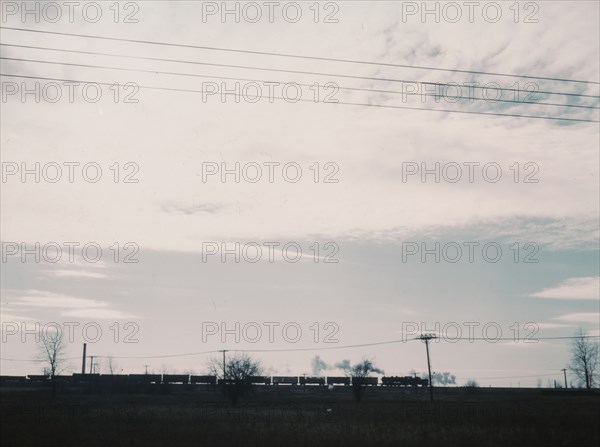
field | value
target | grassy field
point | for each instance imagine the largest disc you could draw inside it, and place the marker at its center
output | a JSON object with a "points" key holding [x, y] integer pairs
{"points": [[282, 416]]}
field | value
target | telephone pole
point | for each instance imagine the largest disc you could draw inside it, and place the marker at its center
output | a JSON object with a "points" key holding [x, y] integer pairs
{"points": [[83, 359], [426, 338], [224, 370], [146, 366], [564, 370], [224, 366]]}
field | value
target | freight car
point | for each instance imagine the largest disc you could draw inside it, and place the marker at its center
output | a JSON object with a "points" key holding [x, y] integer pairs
{"points": [[38, 378], [365, 381], [404, 381], [258, 380], [312, 381], [285, 380], [144, 379], [4, 380], [175, 378], [338, 381], [203, 380]]}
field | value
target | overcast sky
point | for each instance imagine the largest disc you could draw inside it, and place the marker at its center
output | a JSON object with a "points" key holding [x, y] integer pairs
{"points": [[367, 211]]}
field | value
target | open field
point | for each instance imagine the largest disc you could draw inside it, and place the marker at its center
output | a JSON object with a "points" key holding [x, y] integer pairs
{"points": [[312, 416]]}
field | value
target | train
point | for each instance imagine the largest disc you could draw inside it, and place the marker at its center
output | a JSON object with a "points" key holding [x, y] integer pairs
{"points": [[191, 379]]}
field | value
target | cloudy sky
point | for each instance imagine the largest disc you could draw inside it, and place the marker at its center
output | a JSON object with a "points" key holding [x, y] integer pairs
{"points": [[347, 184]]}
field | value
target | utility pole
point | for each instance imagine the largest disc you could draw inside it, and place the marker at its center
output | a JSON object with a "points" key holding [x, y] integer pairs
{"points": [[83, 359], [224, 370], [146, 366], [564, 370], [224, 365], [426, 338], [92, 364]]}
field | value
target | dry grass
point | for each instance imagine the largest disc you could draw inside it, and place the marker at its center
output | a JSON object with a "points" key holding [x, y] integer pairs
{"points": [[287, 417]]}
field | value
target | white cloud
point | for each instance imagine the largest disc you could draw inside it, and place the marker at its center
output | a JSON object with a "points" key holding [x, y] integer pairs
{"points": [[12, 318], [553, 325], [581, 317], [96, 313], [76, 307], [38, 298], [370, 198], [64, 273], [586, 288]]}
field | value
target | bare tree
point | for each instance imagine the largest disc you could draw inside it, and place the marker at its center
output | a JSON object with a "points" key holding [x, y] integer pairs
{"points": [[97, 366], [584, 360], [471, 383], [111, 365], [358, 373], [52, 352], [238, 369], [167, 369]]}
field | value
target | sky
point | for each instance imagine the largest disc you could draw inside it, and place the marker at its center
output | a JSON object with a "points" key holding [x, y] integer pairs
{"points": [[394, 242]]}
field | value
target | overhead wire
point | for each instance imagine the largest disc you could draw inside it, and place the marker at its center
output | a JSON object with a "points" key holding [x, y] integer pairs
{"points": [[288, 55], [345, 103], [312, 73], [299, 84]]}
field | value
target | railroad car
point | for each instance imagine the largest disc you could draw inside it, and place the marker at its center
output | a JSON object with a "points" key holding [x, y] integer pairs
{"points": [[176, 378], [312, 381], [12, 379], [259, 380], [203, 380], [338, 381], [285, 380], [365, 381], [144, 379]]}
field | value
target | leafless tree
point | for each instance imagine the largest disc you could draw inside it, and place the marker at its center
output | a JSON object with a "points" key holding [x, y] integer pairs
{"points": [[238, 368], [111, 365], [52, 349], [167, 369], [471, 383], [358, 373], [584, 359], [97, 366]]}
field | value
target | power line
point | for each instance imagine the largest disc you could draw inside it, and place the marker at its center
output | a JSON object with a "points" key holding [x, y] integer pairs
{"points": [[280, 70], [313, 349], [296, 56], [189, 354], [196, 75], [326, 348], [385, 106], [509, 377]]}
